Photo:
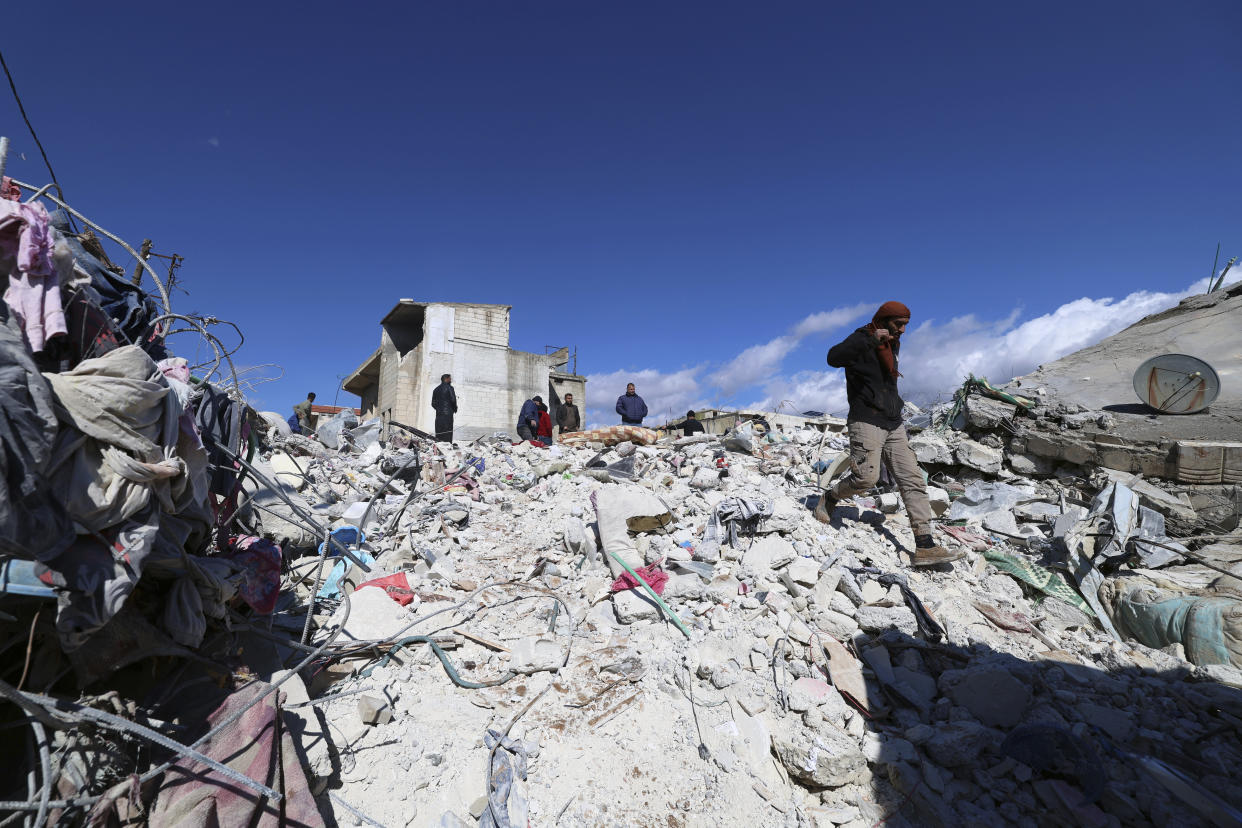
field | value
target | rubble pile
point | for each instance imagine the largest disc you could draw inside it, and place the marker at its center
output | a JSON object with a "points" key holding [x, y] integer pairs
{"points": [[212, 620], [788, 672]]}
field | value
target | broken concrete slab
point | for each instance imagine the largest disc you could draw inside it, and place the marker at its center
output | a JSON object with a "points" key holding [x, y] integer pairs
{"points": [[827, 760], [994, 696]]}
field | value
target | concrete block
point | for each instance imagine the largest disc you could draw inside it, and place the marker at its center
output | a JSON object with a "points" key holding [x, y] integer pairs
{"points": [[374, 710], [1199, 461]]}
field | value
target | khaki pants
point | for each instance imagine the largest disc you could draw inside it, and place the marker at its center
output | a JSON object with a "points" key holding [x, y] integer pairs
{"points": [[868, 444]]}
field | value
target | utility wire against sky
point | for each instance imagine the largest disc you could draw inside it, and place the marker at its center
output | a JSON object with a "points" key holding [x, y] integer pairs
{"points": [[22, 109]]}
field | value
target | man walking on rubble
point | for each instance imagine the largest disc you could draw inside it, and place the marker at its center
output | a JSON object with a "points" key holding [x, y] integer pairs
{"points": [[631, 407], [567, 416], [876, 430], [303, 412], [444, 401], [528, 418], [691, 425]]}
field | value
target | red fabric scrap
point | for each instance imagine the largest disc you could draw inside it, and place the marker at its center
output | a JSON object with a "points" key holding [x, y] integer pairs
{"points": [[655, 577], [10, 191], [397, 586]]}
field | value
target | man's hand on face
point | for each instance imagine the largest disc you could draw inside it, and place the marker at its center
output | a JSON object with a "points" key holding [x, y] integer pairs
{"points": [[882, 334]]}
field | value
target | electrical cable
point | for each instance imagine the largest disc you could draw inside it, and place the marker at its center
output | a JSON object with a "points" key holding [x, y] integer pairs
{"points": [[22, 109]]}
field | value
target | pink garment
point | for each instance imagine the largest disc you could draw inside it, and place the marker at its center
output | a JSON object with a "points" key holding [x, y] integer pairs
{"points": [[655, 577], [34, 287], [9, 190], [176, 367]]}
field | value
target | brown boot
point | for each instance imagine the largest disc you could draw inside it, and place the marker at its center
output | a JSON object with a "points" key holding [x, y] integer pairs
{"points": [[928, 553], [823, 509]]}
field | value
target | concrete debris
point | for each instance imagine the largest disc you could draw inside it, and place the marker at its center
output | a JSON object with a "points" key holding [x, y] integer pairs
{"points": [[455, 647]]}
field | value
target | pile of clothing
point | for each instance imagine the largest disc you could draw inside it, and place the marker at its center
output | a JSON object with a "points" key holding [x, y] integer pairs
{"points": [[116, 470]]}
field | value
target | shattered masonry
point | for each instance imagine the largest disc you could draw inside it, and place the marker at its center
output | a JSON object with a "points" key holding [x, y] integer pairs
{"points": [[212, 620]]}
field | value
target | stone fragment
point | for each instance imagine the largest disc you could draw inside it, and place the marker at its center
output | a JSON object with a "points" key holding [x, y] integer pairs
{"points": [[881, 749], [930, 447], [881, 619], [978, 457], [799, 631], [814, 689], [836, 624], [631, 606], [993, 696], [889, 503], [939, 500], [767, 553], [826, 760], [804, 571], [956, 743], [534, 655], [705, 479], [919, 684], [373, 710], [986, 413], [873, 592], [1116, 723], [1031, 466], [825, 587]]}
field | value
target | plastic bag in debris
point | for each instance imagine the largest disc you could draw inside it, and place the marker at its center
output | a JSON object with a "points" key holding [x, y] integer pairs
{"points": [[331, 433], [507, 802], [741, 439], [1209, 628], [366, 435], [984, 497]]}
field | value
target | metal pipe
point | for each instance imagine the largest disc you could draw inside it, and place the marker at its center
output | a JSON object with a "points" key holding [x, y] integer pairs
{"points": [[4, 154]]}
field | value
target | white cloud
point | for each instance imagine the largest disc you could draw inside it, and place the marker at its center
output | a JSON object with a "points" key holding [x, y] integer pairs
{"points": [[668, 395], [214, 141], [936, 357], [825, 321], [759, 363], [752, 365], [804, 391]]}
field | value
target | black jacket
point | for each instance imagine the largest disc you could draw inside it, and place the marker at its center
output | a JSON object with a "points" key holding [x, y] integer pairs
{"points": [[444, 399], [872, 391], [567, 418], [691, 427]]}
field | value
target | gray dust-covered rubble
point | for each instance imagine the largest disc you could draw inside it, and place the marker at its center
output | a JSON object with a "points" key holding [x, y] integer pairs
{"points": [[784, 672]]}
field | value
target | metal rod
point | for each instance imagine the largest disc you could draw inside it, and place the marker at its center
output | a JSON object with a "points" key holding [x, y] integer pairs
{"points": [[4, 154]]}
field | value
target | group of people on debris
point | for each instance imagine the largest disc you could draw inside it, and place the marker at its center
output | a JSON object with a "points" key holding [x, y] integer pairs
{"points": [[877, 433]]}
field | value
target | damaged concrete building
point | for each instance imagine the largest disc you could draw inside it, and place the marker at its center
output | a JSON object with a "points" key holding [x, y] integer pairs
{"points": [[419, 341]]}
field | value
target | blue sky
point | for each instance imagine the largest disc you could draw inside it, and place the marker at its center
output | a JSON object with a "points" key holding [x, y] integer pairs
{"points": [[702, 197]]}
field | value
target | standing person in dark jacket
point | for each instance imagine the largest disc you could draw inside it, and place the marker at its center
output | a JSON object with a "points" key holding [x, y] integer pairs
{"points": [[567, 415], [444, 401], [631, 407], [869, 357], [528, 418], [691, 425]]}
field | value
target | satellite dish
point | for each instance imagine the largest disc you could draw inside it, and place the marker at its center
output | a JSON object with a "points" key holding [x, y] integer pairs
{"points": [[1176, 383]]}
